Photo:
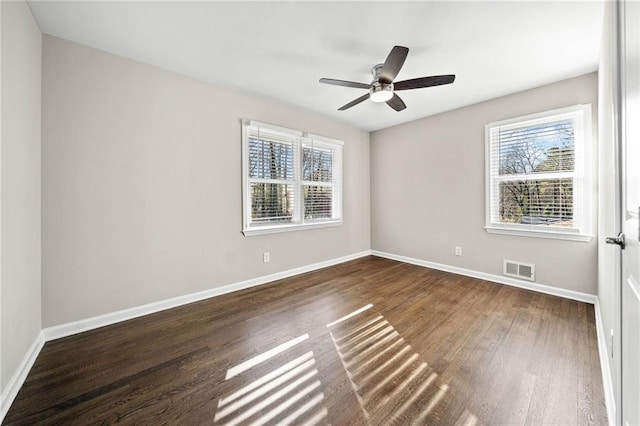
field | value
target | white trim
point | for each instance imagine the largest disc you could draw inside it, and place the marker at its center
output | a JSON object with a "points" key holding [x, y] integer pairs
{"points": [[16, 381], [245, 174], [502, 230], [288, 228], [68, 329], [541, 288], [607, 380], [582, 175], [298, 140], [541, 117], [2, 397], [280, 129], [321, 139]]}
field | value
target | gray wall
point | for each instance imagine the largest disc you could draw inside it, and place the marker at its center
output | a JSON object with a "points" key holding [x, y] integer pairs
{"points": [[427, 191], [142, 182], [21, 66], [608, 221]]}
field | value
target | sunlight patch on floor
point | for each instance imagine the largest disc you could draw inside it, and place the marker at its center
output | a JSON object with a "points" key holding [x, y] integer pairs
{"points": [[267, 378], [387, 375], [351, 315], [276, 386], [240, 368]]}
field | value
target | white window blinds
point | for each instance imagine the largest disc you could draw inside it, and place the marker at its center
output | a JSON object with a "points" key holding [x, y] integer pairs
{"points": [[291, 179], [321, 180], [272, 175], [536, 173]]}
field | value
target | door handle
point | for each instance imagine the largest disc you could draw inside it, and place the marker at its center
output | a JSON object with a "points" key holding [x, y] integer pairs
{"points": [[619, 240]]}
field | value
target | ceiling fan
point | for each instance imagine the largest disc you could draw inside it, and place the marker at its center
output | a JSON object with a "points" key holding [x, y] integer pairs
{"points": [[383, 88]]}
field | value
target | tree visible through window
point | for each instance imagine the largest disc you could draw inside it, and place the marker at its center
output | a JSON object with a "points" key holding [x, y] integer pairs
{"points": [[271, 165], [317, 175], [536, 175], [292, 179], [540, 149]]}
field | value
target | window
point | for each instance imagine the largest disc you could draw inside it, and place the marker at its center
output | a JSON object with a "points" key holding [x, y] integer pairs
{"points": [[538, 175], [291, 179]]}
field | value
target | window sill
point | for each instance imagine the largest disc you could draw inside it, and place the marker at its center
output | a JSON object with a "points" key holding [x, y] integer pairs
{"points": [[555, 235], [288, 228]]}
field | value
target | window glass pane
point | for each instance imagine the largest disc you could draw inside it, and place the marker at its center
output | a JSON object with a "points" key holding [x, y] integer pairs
{"points": [[270, 159], [292, 179], [545, 203], [317, 164], [318, 202], [271, 202], [542, 148]]}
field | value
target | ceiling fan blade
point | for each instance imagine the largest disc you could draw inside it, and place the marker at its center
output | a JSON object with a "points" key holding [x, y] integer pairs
{"points": [[393, 63], [345, 83], [354, 102], [396, 103], [418, 83]]}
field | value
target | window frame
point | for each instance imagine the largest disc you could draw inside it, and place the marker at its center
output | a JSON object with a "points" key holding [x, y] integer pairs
{"points": [[298, 222], [582, 177]]}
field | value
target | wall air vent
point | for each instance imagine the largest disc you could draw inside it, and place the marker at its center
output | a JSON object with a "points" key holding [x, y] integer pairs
{"points": [[526, 271]]}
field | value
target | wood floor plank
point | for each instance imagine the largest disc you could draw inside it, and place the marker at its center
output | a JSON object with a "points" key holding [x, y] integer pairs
{"points": [[367, 342]]}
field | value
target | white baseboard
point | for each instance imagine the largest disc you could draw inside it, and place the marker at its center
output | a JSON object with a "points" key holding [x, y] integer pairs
{"points": [[607, 381], [541, 288], [20, 375], [68, 329], [71, 328]]}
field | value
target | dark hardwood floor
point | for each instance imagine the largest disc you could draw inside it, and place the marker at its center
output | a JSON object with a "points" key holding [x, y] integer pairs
{"points": [[371, 341]]}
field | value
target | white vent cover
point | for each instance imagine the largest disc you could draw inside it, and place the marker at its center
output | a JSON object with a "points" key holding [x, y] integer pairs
{"points": [[515, 269]]}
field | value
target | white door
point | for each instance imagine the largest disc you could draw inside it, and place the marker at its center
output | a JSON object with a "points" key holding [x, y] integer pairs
{"points": [[630, 99]]}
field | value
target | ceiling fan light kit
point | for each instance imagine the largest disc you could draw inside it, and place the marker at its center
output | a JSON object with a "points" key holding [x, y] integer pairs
{"points": [[382, 88], [381, 92]]}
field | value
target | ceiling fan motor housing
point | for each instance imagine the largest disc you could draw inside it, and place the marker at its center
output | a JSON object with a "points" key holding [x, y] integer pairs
{"points": [[379, 92]]}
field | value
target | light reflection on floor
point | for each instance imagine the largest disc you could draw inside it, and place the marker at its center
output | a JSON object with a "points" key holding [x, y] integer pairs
{"points": [[281, 385], [392, 383], [287, 393]]}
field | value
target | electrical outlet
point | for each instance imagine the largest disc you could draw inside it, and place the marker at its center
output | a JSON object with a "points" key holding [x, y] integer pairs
{"points": [[265, 257], [458, 251]]}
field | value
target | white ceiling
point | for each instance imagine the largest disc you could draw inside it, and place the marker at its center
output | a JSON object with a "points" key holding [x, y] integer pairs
{"points": [[281, 49]]}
